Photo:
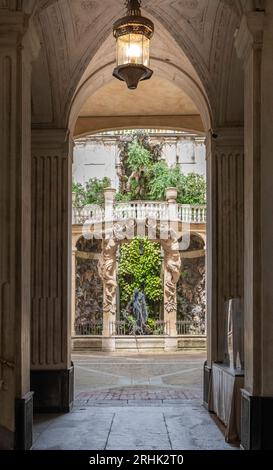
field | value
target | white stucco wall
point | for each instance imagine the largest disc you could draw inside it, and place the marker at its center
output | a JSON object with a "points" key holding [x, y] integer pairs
{"points": [[95, 159], [96, 156]]}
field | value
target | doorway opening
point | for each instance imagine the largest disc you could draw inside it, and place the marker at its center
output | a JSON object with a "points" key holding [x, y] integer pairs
{"points": [[147, 352]]}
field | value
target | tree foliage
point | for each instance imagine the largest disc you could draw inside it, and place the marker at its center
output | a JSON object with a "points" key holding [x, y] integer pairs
{"points": [[91, 192], [145, 176], [139, 157], [162, 177], [140, 268], [191, 188]]}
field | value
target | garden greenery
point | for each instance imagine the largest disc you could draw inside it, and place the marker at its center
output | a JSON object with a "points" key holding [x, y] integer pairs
{"points": [[144, 177], [148, 176], [90, 193], [138, 156], [140, 268]]}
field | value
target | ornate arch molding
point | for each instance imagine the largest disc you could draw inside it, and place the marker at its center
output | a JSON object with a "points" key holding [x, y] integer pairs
{"points": [[112, 239], [178, 76], [62, 97]]}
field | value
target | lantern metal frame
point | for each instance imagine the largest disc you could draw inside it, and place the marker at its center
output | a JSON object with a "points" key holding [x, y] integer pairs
{"points": [[133, 23]]}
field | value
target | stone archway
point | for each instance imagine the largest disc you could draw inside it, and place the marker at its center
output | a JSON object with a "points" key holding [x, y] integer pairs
{"points": [[112, 238], [51, 172], [222, 148]]}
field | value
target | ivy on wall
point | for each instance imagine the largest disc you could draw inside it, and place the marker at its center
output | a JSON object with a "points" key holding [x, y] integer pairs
{"points": [[140, 268]]}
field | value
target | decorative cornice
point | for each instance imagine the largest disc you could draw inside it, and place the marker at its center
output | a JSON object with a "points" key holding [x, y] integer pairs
{"points": [[250, 34], [228, 137], [48, 141], [10, 5], [16, 29], [15, 22]]}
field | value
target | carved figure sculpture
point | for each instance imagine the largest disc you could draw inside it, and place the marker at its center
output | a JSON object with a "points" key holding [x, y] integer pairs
{"points": [[172, 264], [138, 307], [107, 270]]}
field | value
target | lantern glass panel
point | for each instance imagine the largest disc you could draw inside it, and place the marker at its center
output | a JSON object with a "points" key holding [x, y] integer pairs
{"points": [[133, 49]]}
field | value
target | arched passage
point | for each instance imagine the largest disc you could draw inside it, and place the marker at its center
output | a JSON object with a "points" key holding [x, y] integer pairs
{"points": [[193, 78], [203, 33]]}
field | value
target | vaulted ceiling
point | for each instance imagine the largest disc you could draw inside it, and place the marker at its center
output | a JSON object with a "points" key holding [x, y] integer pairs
{"points": [[192, 49]]}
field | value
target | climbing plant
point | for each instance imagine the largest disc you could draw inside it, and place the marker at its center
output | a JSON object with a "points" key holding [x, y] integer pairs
{"points": [[140, 268], [91, 192]]}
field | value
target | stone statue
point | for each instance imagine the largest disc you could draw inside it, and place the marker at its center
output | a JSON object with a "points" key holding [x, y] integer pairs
{"points": [[138, 308], [172, 265], [107, 270]]}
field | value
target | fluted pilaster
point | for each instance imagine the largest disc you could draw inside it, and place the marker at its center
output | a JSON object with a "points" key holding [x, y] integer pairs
{"points": [[18, 47], [51, 249], [225, 232]]}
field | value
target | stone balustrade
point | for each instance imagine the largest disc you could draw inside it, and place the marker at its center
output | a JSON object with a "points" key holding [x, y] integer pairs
{"points": [[196, 214]]}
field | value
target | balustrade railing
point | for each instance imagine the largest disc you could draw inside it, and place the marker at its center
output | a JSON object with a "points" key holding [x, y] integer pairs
{"points": [[159, 328], [91, 328], [192, 214], [139, 210], [190, 328], [122, 328], [90, 213]]}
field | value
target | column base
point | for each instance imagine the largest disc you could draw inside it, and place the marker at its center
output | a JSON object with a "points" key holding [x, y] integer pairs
{"points": [[24, 422], [21, 439], [256, 422], [170, 344], [53, 390], [108, 344]]}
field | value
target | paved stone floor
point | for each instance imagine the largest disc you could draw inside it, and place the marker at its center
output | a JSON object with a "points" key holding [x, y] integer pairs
{"points": [[134, 401]]}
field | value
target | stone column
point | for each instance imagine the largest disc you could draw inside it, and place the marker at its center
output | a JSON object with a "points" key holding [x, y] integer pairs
{"points": [[171, 197], [172, 269], [254, 47], [225, 237], [18, 47], [52, 372], [73, 293], [109, 198]]}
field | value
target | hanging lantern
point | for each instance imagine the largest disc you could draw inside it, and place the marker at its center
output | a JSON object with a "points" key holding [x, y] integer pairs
{"points": [[133, 34]]}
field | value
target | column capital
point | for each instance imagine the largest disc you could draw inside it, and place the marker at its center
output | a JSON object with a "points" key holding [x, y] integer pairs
{"points": [[250, 34], [229, 139], [12, 24], [17, 30], [52, 142]]}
